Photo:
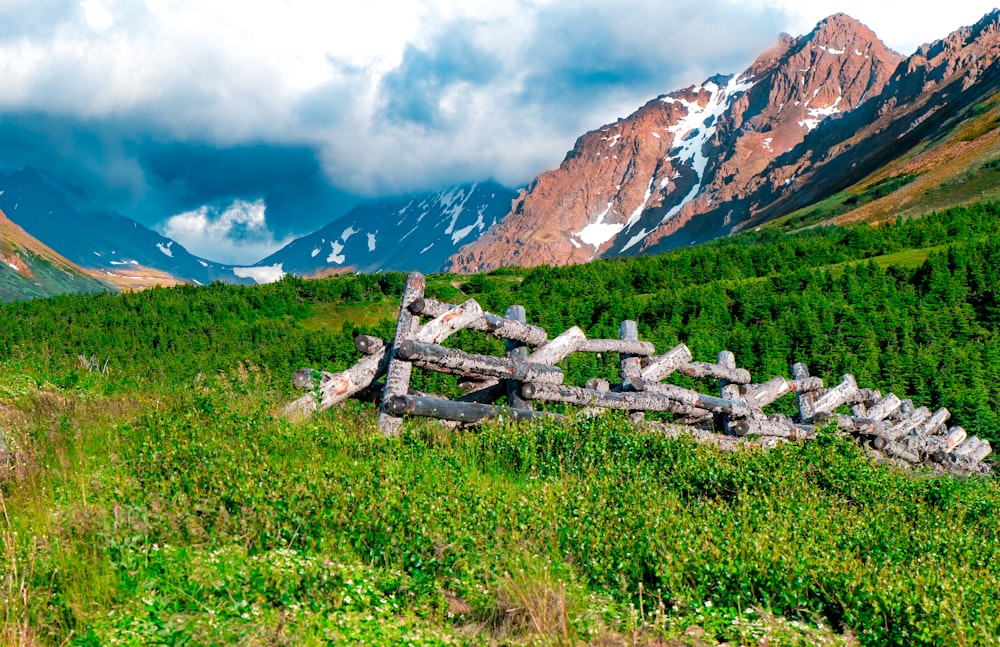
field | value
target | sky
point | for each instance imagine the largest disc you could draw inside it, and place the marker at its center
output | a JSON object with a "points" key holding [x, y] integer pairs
{"points": [[234, 126]]}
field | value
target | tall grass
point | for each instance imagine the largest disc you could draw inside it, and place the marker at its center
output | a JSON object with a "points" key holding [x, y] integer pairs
{"points": [[203, 517]]}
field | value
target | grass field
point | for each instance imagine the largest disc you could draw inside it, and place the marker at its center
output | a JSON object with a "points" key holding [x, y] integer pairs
{"points": [[203, 517]]}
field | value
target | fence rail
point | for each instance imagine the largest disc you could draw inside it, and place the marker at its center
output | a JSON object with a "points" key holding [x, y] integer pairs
{"points": [[890, 427]]}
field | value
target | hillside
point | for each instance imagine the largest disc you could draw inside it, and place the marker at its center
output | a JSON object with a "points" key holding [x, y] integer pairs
{"points": [[166, 500], [111, 247], [30, 270]]}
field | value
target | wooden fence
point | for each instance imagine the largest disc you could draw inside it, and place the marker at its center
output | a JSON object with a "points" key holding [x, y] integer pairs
{"points": [[891, 428]]}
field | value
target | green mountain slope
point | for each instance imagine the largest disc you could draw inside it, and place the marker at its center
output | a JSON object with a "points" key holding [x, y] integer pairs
{"points": [[29, 269], [956, 164]]}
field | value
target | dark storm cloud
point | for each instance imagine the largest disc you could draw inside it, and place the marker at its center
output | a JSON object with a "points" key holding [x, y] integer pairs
{"points": [[413, 91], [125, 168]]}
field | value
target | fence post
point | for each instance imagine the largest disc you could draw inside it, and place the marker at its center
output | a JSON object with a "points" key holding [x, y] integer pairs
{"points": [[397, 381], [727, 389], [518, 352]]}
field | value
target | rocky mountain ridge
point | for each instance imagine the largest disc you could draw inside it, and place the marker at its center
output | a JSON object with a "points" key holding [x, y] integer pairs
{"points": [[807, 118]]}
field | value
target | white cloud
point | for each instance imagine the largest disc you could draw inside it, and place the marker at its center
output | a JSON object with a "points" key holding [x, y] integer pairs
{"points": [[379, 88], [237, 234]]}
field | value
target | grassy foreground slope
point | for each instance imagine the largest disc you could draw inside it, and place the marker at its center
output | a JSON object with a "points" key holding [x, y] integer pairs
{"points": [[167, 502]]}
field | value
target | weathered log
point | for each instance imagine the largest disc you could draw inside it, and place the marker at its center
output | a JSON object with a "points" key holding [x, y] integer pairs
{"points": [[883, 408], [861, 400], [866, 397], [467, 412], [966, 466], [457, 362], [449, 322], [710, 403], [374, 392], [751, 427], [971, 444], [732, 375], [303, 378], [806, 384], [667, 397], [597, 384], [659, 367], [429, 307], [766, 393], [700, 417], [488, 322], [625, 400], [954, 438], [933, 423], [910, 422], [805, 397], [398, 372], [630, 347], [518, 352], [836, 396], [981, 452], [368, 345], [846, 423], [301, 408], [334, 388], [473, 384], [728, 389], [511, 329], [902, 450], [559, 348], [630, 371]]}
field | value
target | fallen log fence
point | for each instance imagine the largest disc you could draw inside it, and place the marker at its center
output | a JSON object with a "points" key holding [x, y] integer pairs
{"points": [[890, 427]]}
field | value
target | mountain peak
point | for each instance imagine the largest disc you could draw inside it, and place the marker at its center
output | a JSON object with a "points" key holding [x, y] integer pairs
{"points": [[841, 32]]}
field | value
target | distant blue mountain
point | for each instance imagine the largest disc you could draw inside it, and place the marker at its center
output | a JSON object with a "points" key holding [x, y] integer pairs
{"points": [[413, 232], [94, 240]]}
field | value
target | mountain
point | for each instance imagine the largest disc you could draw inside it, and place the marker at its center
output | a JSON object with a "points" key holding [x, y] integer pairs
{"points": [[808, 119], [403, 233], [29, 269], [931, 140], [111, 247]]}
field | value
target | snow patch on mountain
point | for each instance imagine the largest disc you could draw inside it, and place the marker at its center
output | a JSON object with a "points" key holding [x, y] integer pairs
{"points": [[336, 247], [454, 202], [599, 232]]}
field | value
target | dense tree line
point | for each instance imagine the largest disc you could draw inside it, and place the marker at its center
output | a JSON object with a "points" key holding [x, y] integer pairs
{"points": [[927, 329]]}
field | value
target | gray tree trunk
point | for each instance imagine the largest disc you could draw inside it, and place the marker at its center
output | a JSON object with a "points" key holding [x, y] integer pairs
{"points": [[457, 362], [517, 352], [398, 372], [660, 367]]}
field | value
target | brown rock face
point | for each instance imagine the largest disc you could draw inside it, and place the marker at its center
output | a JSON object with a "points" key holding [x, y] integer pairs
{"points": [[926, 96], [628, 185]]}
